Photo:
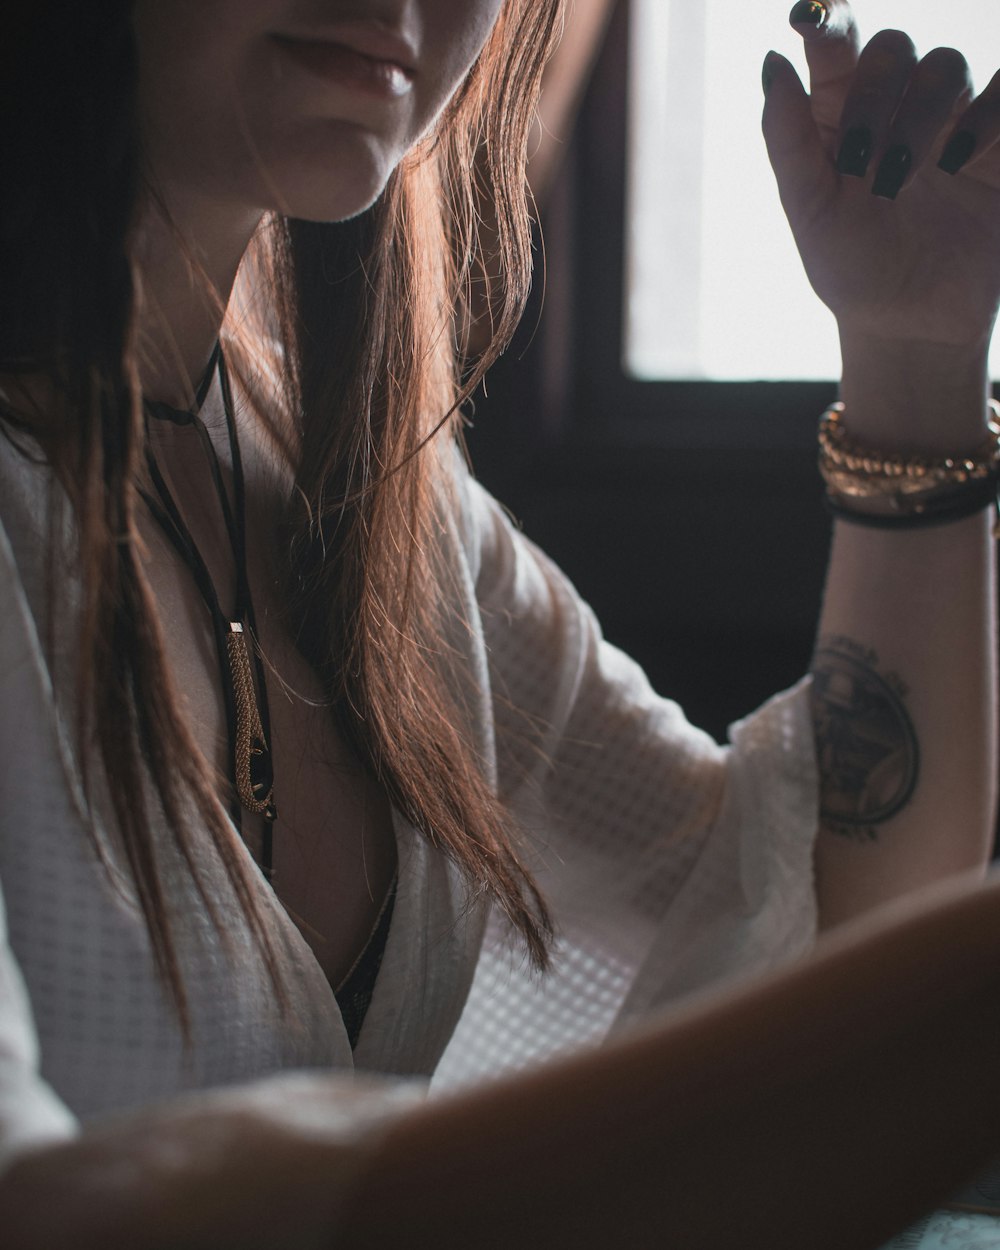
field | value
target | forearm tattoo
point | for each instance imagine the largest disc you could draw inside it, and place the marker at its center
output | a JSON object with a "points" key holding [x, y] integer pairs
{"points": [[867, 750]]}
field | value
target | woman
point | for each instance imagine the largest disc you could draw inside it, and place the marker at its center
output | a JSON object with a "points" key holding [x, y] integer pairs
{"points": [[253, 589]]}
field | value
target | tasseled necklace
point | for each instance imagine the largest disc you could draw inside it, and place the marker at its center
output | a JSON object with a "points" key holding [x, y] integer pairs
{"points": [[241, 669]]}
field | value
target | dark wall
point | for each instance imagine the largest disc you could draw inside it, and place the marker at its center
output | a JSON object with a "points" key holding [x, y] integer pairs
{"points": [[709, 575]]}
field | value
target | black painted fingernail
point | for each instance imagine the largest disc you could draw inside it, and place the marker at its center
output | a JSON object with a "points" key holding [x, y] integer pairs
{"points": [[891, 174], [855, 152], [958, 151], [808, 13], [767, 73]]}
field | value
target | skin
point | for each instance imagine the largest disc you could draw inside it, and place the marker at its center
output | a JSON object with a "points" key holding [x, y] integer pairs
{"points": [[626, 1143], [232, 126], [233, 129]]}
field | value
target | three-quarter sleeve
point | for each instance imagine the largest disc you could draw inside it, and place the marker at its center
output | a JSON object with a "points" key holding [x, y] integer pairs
{"points": [[669, 862]]}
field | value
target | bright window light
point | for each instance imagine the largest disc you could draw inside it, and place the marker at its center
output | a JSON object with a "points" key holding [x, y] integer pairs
{"points": [[715, 288]]}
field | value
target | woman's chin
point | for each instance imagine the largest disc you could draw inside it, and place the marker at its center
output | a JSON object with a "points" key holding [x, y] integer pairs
{"points": [[327, 188], [318, 209]]}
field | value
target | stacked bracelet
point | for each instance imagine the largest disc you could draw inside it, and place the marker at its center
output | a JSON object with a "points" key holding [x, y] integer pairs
{"points": [[892, 491]]}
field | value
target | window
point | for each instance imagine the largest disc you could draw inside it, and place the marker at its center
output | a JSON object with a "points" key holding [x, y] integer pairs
{"points": [[714, 286]]}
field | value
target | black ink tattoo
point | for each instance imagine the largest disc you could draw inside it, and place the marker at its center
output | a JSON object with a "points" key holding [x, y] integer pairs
{"points": [[866, 746]]}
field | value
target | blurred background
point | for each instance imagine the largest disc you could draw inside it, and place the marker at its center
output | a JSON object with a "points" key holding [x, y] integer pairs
{"points": [[653, 426]]}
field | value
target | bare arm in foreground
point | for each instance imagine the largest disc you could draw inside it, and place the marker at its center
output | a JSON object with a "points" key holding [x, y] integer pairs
{"points": [[827, 1107]]}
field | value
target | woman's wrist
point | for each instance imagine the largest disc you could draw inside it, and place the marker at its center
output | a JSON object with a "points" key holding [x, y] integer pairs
{"points": [[914, 396]]}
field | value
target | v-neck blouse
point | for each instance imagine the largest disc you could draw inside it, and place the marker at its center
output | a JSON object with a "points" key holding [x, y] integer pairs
{"points": [[669, 862]]}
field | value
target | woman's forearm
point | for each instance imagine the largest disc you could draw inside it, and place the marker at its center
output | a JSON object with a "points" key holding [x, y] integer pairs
{"points": [[249, 1168], [826, 1108], [904, 692]]}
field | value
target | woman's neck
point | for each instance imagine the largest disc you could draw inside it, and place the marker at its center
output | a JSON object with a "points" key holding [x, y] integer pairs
{"points": [[187, 257]]}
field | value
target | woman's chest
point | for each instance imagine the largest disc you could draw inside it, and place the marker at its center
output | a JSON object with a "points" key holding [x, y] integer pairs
{"points": [[333, 849]]}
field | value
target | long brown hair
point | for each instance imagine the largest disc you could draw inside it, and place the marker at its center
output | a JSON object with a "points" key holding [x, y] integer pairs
{"points": [[370, 315]]}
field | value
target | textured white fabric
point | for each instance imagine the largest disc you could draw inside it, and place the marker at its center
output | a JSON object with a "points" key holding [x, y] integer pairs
{"points": [[669, 862]]}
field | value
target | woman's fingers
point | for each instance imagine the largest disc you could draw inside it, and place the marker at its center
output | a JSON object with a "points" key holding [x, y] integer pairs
{"points": [[937, 88], [879, 84], [976, 132], [832, 44], [882, 109]]}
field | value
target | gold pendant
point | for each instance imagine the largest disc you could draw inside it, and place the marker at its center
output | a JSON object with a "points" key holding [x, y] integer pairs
{"points": [[251, 754]]}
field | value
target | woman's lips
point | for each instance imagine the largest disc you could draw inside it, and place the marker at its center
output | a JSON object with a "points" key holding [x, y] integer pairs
{"points": [[344, 65]]}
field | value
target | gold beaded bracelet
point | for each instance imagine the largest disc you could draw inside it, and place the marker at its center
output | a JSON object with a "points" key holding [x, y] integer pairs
{"points": [[896, 491]]}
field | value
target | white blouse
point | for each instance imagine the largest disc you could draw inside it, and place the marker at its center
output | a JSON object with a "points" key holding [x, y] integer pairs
{"points": [[669, 862]]}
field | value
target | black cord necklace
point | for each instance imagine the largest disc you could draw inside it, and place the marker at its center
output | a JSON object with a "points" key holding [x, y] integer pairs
{"points": [[244, 688]]}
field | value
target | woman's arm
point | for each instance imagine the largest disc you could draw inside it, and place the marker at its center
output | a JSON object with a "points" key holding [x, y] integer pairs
{"points": [[825, 1107], [255, 1167], [904, 690], [907, 643]]}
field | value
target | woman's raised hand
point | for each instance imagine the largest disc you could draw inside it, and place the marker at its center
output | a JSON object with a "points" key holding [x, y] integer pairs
{"points": [[889, 173]]}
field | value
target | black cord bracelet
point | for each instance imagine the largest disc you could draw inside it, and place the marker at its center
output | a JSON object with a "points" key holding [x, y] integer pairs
{"points": [[952, 505]]}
